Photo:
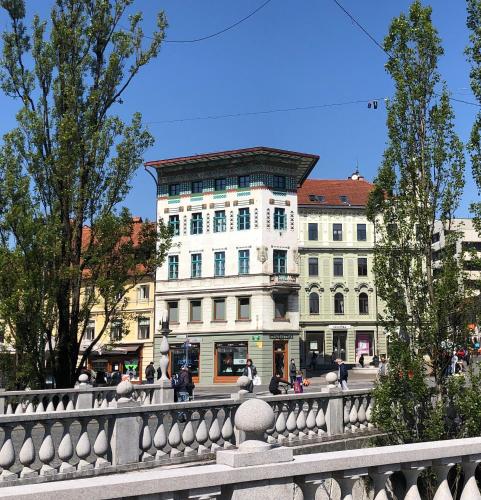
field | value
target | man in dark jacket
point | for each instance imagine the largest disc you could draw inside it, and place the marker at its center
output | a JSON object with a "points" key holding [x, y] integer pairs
{"points": [[292, 371], [274, 384], [182, 386], [342, 374], [150, 373]]}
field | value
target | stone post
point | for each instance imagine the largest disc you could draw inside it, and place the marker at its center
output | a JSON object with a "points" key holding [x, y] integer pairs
{"points": [[163, 392], [124, 442], [335, 406], [85, 397], [3, 401]]}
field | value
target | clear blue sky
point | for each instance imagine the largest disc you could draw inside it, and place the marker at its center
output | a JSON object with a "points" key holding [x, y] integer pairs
{"points": [[293, 53]]}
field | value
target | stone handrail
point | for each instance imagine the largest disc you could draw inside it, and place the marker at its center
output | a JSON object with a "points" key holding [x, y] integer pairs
{"points": [[43, 445]]}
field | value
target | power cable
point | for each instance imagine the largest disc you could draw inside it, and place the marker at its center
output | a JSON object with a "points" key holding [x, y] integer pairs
{"points": [[268, 111]]}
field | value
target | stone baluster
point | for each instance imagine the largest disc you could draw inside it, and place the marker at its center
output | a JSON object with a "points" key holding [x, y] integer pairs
{"points": [[369, 414], [281, 424], [347, 480], [174, 440], [30, 408], [188, 436], [311, 420], [228, 429], [320, 419], [160, 438], [201, 435], [145, 439], [442, 468], [380, 476], [46, 453], [83, 447], [27, 452], [470, 490], [361, 414], [60, 405], [310, 483], [40, 408], [65, 449], [7, 455], [301, 422], [347, 411], [50, 407], [214, 431], [101, 445], [353, 421], [19, 408], [291, 423], [70, 406], [9, 409], [411, 473]]}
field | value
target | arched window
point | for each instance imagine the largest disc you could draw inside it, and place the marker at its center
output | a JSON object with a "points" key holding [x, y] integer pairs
{"points": [[363, 303], [339, 303], [313, 303]]}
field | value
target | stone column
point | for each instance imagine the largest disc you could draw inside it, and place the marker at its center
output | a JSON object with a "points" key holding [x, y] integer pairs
{"points": [[163, 392], [335, 407], [85, 397]]}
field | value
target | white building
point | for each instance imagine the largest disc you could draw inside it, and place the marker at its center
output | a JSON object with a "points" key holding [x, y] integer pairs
{"points": [[230, 281]]}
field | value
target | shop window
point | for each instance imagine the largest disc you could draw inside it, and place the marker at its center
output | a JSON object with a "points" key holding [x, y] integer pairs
{"points": [[174, 189], [280, 219], [313, 266], [363, 303], [244, 261], [219, 309], [196, 265], [243, 308], [231, 358], [116, 330], [313, 303], [243, 219], [244, 181], [219, 221], [220, 184], [338, 269], [144, 328], [279, 182], [313, 231], [197, 187], [361, 232], [362, 266], [173, 308], [339, 303], [186, 354], [196, 224], [337, 232], [280, 307], [90, 330], [143, 292], [364, 344], [174, 224], [173, 267], [219, 263], [280, 261], [195, 313]]}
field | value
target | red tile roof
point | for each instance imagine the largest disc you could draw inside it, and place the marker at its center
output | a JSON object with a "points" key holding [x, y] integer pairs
{"points": [[357, 192]]}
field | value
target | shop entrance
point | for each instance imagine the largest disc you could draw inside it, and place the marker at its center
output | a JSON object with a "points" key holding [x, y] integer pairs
{"points": [[280, 355], [185, 354], [339, 345]]}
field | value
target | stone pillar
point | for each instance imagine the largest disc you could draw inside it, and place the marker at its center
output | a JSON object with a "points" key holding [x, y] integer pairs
{"points": [[163, 392], [3, 401], [85, 397], [335, 406], [124, 442]]}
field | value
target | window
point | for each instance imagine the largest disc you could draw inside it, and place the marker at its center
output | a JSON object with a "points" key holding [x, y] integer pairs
{"points": [[361, 232], [338, 269], [313, 266], [90, 330], [173, 308], [244, 181], [317, 198], [230, 358], [436, 237], [279, 182], [339, 303], [144, 328], [313, 303], [174, 189], [344, 199], [219, 221], [196, 224], [243, 219], [280, 262], [195, 313], [220, 184], [144, 292], [280, 219], [196, 267], [219, 263], [244, 308], [243, 261], [363, 303], [197, 187], [362, 266], [174, 223], [116, 330], [313, 231], [280, 306], [337, 232], [173, 267], [219, 310]]}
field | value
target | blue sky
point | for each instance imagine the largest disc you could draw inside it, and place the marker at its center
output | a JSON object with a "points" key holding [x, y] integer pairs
{"points": [[293, 53]]}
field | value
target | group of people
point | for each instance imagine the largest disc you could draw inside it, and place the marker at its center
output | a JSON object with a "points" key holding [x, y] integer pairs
{"points": [[181, 382]]}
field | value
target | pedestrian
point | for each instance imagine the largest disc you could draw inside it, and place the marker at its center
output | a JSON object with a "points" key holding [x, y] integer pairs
{"points": [[182, 385], [454, 362], [150, 373], [313, 361], [342, 374], [274, 384], [250, 371], [159, 373], [382, 371], [361, 360], [191, 385], [298, 383], [292, 371]]}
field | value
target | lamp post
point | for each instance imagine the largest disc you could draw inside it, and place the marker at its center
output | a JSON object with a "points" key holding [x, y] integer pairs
{"points": [[164, 347]]}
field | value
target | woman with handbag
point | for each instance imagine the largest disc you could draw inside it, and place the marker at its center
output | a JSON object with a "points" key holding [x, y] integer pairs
{"points": [[250, 371]]}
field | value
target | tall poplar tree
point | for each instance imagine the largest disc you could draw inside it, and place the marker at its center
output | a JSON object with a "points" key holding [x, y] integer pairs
{"points": [[419, 182], [66, 166]]}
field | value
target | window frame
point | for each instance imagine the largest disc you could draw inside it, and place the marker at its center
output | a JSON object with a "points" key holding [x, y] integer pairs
{"points": [[174, 189], [339, 301], [170, 308], [219, 261], [241, 181], [360, 228], [311, 263], [197, 223], [143, 292], [196, 265], [338, 263], [244, 219], [280, 219], [279, 182], [174, 224], [311, 302], [239, 305], [197, 187], [243, 258], [284, 300], [361, 267], [312, 225], [214, 310], [364, 310], [191, 310], [278, 256], [337, 231], [173, 265], [89, 328], [220, 184], [220, 222], [139, 328]]}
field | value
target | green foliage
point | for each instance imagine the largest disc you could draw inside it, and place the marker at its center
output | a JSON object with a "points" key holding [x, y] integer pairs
{"points": [[68, 165]]}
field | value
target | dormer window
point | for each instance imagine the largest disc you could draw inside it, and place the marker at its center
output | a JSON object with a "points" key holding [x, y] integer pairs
{"points": [[344, 199], [317, 198]]}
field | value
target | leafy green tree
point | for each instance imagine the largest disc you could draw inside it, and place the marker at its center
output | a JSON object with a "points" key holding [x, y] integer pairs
{"points": [[70, 161], [419, 182]]}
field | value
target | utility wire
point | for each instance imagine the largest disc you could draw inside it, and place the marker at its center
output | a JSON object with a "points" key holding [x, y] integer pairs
{"points": [[268, 111], [371, 37]]}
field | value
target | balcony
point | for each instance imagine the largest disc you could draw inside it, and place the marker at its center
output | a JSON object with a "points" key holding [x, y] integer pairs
{"points": [[282, 280]]}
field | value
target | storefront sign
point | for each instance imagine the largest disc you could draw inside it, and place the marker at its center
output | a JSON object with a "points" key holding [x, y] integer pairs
{"points": [[259, 345], [286, 336], [255, 338], [339, 327]]}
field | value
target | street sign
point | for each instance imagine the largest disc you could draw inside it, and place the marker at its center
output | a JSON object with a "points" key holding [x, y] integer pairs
{"points": [[256, 338]]}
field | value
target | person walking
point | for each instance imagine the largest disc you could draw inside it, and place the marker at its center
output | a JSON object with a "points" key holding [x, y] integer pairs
{"points": [[342, 374], [182, 385], [292, 371], [250, 371], [150, 373], [361, 360]]}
